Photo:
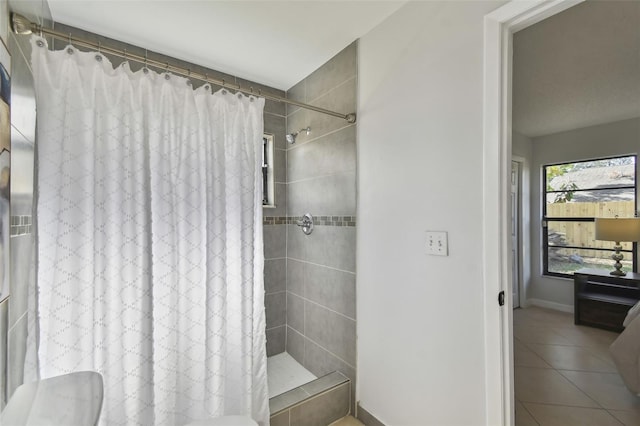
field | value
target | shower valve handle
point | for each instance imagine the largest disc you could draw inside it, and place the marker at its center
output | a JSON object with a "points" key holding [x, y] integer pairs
{"points": [[306, 223]]}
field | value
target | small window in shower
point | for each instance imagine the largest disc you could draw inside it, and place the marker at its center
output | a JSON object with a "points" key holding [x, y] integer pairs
{"points": [[268, 181]]}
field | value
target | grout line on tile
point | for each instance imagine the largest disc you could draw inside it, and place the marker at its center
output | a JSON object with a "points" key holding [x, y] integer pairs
{"points": [[327, 350], [24, 56], [337, 86], [324, 266], [530, 413], [323, 306], [569, 406], [318, 395], [599, 407], [608, 410], [276, 115], [344, 172], [316, 138], [17, 321]]}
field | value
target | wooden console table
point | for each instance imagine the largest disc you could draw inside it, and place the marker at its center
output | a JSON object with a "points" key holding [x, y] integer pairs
{"points": [[603, 300]]}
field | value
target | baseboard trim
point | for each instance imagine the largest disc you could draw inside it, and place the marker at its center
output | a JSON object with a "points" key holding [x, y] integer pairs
{"points": [[549, 305], [366, 417]]}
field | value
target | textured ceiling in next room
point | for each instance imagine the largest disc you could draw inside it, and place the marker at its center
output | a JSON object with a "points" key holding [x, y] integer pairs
{"points": [[276, 43], [578, 68]]}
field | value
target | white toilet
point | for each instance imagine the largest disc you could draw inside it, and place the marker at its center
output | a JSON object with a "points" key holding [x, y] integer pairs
{"points": [[225, 421], [39, 402]]}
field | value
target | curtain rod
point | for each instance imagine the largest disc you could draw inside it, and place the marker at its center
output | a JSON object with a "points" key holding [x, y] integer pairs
{"points": [[21, 25]]}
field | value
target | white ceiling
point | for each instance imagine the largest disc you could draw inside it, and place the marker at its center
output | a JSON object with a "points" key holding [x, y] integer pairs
{"points": [[276, 43], [578, 68]]}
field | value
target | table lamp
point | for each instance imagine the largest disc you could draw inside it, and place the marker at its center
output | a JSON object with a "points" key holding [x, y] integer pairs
{"points": [[618, 230]]}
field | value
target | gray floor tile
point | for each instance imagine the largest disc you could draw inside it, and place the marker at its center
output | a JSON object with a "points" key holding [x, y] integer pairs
{"points": [[564, 374], [556, 415]]}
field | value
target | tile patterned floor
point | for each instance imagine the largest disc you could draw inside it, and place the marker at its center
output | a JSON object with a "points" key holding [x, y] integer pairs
{"points": [[347, 421], [564, 375]]}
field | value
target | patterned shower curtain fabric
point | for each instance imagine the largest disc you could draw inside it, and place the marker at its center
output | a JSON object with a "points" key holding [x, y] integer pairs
{"points": [[149, 240]]}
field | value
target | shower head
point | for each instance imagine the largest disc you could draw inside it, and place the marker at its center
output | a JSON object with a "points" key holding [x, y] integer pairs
{"points": [[291, 137]]}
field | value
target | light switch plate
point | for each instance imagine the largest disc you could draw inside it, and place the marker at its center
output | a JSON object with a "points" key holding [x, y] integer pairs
{"points": [[437, 244]]}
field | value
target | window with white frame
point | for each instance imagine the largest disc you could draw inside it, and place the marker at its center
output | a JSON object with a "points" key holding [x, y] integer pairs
{"points": [[268, 181], [574, 194]]}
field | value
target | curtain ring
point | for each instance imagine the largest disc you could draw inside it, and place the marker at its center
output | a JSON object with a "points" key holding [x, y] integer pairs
{"points": [[70, 48], [146, 68], [99, 55]]}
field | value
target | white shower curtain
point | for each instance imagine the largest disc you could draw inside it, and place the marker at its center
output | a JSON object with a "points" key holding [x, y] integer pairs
{"points": [[149, 240]]}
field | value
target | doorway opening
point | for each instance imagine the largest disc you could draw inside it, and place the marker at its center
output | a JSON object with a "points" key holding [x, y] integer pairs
{"points": [[500, 26]]}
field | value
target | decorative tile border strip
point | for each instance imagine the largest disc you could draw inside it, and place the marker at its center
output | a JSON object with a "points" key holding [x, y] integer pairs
{"points": [[20, 225], [317, 220], [275, 220], [331, 220]]}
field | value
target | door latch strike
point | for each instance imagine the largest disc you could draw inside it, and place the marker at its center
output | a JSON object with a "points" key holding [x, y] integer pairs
{"points": [[501, 298]]}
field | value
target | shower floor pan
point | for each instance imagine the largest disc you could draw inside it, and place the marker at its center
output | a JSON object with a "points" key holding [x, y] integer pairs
{"points": [[285, 373]]}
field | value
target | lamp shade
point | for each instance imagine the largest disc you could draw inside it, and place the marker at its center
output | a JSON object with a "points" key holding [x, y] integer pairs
{"points": [[618, 229]]}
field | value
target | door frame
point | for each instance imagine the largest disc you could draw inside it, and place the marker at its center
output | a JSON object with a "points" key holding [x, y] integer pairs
{"points": [[524, 251], [499, 27], [518, 261]]}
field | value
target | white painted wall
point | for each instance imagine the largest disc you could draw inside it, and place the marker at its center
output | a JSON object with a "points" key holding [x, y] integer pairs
{"points": [[521, 146], [420, 318], [619, 138]]}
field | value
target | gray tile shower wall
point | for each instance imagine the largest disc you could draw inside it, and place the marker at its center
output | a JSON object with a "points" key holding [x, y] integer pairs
{"points": [[4, 306], [275, 240], [4, 316], [275, 269], [13, 314], [321, 173]]}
